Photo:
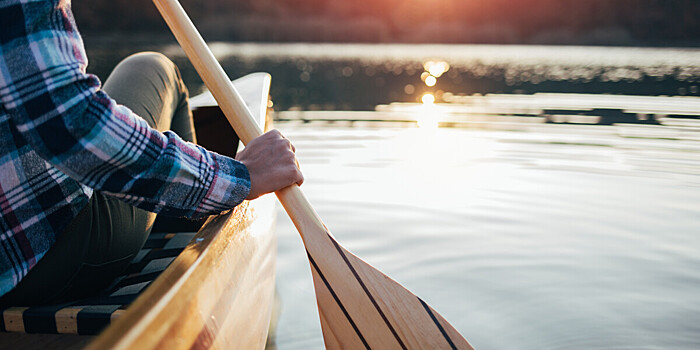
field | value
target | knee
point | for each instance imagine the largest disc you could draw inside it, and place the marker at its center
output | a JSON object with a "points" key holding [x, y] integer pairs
{"points": [[155, 67], [151, 62]]}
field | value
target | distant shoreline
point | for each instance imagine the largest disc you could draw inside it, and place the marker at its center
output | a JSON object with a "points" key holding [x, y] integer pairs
{"points": [[102, 38]]}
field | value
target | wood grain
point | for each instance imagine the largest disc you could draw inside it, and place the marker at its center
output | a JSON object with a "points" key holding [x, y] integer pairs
{"points": [[67, 320], [13, 319]]}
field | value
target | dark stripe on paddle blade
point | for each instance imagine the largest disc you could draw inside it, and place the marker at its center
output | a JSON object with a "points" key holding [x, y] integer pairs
{"points": [[437, 323], [342, 308], [369, 295]]}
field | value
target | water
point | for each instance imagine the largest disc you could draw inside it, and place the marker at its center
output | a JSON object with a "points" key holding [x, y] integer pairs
{"points": [[551, 237]]}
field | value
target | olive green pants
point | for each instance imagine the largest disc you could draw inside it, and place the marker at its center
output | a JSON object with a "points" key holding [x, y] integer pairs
{"points": [[105, 236]]}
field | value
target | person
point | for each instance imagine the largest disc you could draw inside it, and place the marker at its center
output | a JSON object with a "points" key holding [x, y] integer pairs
{"points": [[85, 167]]}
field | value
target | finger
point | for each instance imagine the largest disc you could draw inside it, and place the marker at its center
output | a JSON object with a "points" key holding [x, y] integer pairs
{"points": [[289, 145]]}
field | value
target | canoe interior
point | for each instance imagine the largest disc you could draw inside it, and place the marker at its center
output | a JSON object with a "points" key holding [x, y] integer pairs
{"points": [[215, 137]]}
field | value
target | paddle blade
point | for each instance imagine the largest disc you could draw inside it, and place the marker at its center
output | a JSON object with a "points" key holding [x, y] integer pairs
{"points": [[360, 307]]}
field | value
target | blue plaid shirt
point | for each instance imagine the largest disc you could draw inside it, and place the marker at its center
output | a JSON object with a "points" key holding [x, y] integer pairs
{"points": [[62, 137]]}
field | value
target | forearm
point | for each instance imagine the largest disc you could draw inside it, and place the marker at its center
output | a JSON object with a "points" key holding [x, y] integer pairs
{"points": [[106, 147]]}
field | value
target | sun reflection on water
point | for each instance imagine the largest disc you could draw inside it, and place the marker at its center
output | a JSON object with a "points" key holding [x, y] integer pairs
{"points": [[428, 115], [428, 99]]}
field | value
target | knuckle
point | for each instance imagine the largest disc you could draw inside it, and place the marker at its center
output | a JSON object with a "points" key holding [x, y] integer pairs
{"points": [[291, 175], [282, 143], [279, 146], [271, 135], [287, 154]]}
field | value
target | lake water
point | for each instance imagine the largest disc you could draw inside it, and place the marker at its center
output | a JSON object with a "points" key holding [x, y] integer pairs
{"points": [[550, 237]]}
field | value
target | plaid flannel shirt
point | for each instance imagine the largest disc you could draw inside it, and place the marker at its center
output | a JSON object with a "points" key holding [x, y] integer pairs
{"points": [[62, 137]]}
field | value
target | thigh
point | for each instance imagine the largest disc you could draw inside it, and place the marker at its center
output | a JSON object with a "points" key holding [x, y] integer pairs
{"points": [[150, 85], [118, 231]]}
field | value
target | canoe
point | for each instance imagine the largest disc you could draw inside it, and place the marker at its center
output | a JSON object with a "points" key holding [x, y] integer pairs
{"points": [[218, 293]]}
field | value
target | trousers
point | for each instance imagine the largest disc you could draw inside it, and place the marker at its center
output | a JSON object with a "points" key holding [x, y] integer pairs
{"points": [[104, 237]]}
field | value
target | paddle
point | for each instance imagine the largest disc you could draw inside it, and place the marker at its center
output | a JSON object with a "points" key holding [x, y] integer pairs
{"points": [[359, 306]]}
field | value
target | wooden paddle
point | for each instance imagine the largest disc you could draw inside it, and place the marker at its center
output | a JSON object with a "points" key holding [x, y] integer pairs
{"points": [[359, 306]]}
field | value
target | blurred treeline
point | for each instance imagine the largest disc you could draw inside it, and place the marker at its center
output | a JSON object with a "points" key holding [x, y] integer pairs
{"points": [[593, 22]]}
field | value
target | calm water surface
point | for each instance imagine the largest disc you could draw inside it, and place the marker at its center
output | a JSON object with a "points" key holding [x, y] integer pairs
{"points": [[556, 237]]}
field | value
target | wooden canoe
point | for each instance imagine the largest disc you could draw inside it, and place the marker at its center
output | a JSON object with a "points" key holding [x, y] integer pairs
{"points": [[219, 292]]}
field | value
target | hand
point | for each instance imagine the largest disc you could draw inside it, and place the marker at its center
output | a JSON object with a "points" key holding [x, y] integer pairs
{"points": [[271, 163]]}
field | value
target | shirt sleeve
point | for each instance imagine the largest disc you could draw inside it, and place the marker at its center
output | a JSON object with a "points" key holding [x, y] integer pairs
{"points": [[63, 114]]}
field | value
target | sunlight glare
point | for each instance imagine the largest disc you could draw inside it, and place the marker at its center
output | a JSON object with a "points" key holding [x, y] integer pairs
{"points": [[436, 68], [430, 81], [428, 99]]}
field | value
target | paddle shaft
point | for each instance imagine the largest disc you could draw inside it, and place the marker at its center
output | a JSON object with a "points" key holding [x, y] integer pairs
{"points": [[231, 103]]}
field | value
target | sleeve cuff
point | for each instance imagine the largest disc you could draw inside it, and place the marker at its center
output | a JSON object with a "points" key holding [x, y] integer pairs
{"points": [[231, 185]]}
